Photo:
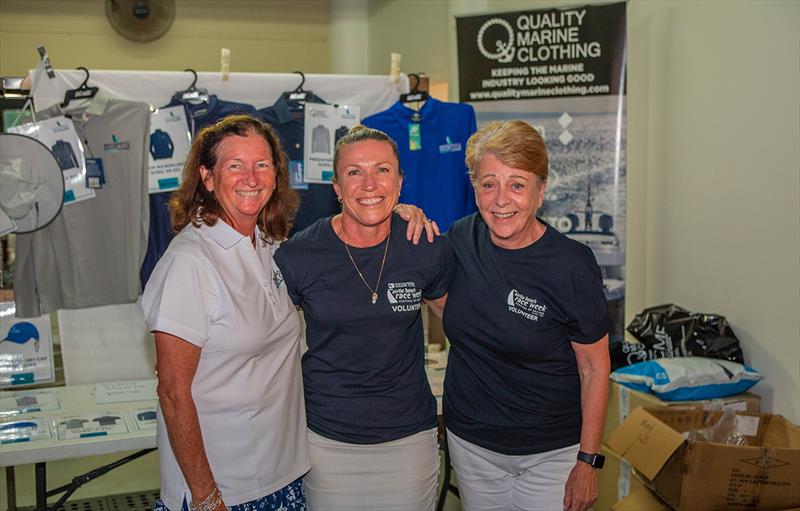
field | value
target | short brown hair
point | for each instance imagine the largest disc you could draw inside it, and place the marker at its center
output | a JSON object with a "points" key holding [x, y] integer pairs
{"points": [[192, 202], [515, 143], [359, 134]]}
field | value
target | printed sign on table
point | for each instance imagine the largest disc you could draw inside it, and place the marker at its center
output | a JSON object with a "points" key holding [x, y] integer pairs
{"points": [[24, 430], [124, 391], [90, 425], [15, 403], [170, 140], [59, 135], [26, 348], [324, 125]]}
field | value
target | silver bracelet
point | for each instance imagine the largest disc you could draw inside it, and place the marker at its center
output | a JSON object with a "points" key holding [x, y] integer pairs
{"points": [[210, 503]]}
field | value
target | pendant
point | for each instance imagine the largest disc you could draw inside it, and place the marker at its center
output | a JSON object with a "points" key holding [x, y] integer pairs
{"points": [[374, 298]]}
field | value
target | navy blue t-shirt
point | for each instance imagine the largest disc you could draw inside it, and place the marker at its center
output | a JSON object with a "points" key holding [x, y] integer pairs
{"points": [[435, 175], [288, 119], [198, 116], [364, 371], [512, 383]]}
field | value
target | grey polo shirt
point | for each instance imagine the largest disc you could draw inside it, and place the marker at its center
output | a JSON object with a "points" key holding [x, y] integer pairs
{"points": [[91, 253]]}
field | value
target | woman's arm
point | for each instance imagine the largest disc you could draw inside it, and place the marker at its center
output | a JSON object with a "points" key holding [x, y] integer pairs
{"points": [[176, 365], [594, 367], [437, 305]]}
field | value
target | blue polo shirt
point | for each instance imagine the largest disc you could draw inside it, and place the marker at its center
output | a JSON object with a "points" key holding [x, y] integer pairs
{"points": [[199, 116], [288, 119], [435, 176]]}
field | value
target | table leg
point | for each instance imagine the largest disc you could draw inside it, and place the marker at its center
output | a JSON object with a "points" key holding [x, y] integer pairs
{"points": [[41, 486], [11, 488]]}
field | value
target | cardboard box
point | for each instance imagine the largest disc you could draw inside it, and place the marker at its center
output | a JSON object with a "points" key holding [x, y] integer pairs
{"points": [[640, 499], [615, 481], [622, 401], [694, 475]]}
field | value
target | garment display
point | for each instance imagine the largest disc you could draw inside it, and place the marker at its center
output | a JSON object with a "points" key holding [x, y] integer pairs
{"points": [[512, 381], [91, 253], [432, 144], [73, 423], [199, 116], [320, 140], [64, 154], [362, 356], [247, 386], [106, 420], [340, 132], [288, 117], [161, 146]]}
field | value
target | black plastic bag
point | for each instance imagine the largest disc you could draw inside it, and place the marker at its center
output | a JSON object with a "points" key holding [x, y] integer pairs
{"points": [[667, 331]]}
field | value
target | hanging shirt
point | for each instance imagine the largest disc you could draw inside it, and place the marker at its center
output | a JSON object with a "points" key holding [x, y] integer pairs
{"points": [[512, 383], [91, 253], [288, 117], [199, 116], [432, 144], [364, 371]]}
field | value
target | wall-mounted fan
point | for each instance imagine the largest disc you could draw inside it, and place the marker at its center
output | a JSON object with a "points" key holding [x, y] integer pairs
{"points": [[141, 20]]}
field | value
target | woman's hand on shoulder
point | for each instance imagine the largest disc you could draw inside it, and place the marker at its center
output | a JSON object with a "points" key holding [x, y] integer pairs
{"points": [[417, 222]]}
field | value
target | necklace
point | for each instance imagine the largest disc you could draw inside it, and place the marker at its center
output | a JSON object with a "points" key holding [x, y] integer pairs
{"points": [[380, 273]]}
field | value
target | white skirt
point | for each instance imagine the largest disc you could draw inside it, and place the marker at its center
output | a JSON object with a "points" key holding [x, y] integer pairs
{"points": [[401, 475]]}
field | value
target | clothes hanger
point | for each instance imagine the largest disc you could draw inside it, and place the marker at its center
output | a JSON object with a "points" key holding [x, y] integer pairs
{"points": [[193, 94], [82, 92], [415, 95], [298, 94]]}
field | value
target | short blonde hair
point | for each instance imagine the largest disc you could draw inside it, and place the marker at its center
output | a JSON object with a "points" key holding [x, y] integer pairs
{"points": [[515, 143], [358, 134]]}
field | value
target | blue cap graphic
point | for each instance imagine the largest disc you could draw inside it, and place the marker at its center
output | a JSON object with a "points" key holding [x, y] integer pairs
{"points": [[22, 332]]}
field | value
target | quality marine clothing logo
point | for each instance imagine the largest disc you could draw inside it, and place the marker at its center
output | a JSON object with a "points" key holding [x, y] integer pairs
{"points": [[503, 46], [404, 296], [527, 307], [277, 276]]}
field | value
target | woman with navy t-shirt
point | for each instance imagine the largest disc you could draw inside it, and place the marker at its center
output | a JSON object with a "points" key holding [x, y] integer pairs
{"points": [[527, 378], [360, 283]]}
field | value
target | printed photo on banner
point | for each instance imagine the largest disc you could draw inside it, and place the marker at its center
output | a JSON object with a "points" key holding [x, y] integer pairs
{"points": [[58, 134], [26, 348], [170, 139], [324, 125], [563, 72]]}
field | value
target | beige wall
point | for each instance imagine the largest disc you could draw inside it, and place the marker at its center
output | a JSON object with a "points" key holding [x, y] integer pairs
{"points": [[263, 36]]}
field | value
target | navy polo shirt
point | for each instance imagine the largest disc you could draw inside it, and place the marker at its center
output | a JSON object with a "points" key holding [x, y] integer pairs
{"points": [[512, 383], [288, 119], [364, 371], [198, 116], [435, 177]]}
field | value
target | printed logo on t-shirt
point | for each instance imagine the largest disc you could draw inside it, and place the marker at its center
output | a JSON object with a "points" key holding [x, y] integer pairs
{"points": [[529, 308], [277, 276], [404, 296], [449, 146], [116, 145]]}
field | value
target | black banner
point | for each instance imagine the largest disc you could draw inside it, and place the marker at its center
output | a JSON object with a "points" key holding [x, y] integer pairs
{"points": [[547, 53]]}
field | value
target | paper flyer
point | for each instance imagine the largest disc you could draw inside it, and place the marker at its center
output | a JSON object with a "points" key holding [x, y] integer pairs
{"points": [[170, 140], [32, 401], [90, 424], [26, 348], [324, 125], [58, 134], [145, 418], [124, 391], [24, 430]]}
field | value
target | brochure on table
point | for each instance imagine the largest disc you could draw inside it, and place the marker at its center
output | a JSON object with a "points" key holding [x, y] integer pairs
{"points": [[26, 348], [170, 140], [32, 401], [324, 125], [87, 425], [24, 430], [58, 134], [144, 418]]}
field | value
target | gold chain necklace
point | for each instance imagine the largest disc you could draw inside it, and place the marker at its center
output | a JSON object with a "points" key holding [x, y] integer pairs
{"points": [[380, 273]]}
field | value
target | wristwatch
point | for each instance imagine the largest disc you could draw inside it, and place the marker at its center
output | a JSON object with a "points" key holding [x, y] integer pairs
{"points": [[594, 460]]}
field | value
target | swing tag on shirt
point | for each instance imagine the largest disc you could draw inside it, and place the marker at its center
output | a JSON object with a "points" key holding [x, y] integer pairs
{"points": [[414, 137], [95, 176]]}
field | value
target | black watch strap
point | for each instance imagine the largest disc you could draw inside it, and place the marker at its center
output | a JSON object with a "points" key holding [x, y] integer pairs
{"points": [[594, 460]]}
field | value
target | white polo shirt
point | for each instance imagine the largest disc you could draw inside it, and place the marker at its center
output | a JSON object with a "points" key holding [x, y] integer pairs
{"points": [[215, 290]]}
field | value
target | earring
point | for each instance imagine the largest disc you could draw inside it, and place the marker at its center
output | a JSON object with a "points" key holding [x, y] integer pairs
{"points": [[339, 199]]}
